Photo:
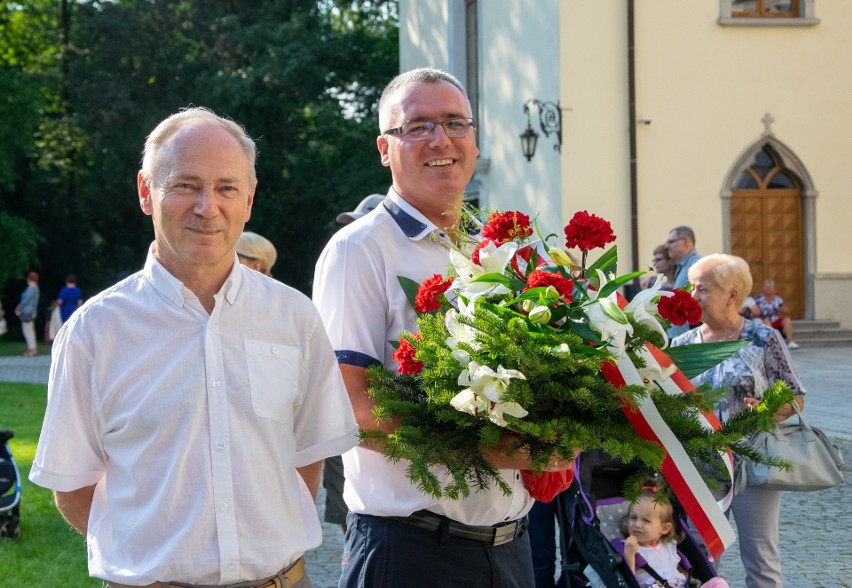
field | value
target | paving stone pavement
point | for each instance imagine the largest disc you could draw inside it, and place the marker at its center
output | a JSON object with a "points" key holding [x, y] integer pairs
{"points": [[815, 526]]}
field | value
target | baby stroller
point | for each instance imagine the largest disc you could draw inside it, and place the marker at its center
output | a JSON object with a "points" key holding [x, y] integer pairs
{"points": [[590, 511], [10, 490]]}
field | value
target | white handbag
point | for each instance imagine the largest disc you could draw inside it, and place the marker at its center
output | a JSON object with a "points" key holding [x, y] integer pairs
{"points": [[817, 462]]}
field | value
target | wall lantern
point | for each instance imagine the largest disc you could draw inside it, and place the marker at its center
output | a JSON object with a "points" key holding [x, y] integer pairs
{"points": [[550, 121]]}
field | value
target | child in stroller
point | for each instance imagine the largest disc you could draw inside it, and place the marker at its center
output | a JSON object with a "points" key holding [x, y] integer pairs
{"points": [[650, 547], [10, 489], [590, 513]]}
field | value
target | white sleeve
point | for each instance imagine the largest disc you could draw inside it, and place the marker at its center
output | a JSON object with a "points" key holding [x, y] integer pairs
{"points": [[69, 455]]}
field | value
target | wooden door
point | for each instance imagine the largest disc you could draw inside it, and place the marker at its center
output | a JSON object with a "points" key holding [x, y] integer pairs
{"points": [[766, 231]]}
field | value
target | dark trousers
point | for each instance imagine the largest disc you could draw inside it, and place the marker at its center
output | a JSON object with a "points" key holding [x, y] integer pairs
{"points": [[542, 532], [384, 553]]}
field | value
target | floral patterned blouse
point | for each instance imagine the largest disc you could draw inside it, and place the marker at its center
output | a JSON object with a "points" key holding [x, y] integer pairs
{"points": [[750, 371]]}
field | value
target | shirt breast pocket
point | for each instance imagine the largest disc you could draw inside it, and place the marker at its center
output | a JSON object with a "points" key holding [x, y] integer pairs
{"points": [[274, 379]]}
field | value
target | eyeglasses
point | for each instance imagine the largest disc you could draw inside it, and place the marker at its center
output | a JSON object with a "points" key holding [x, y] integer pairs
{"points": [[673, 241], [454, 128], [657, 259]]}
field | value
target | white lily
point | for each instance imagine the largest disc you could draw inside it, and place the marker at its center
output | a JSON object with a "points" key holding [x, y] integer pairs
{"points": [[491, 384], [511, 408], [651, 374], [470, 402], [459, 332], [593, 294], [607, 319], [644, 310], [486, 388], [492, 259]]}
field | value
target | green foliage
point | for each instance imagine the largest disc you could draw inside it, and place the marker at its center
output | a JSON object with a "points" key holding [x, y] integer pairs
{"points": [[571, 407], [17, 248], [302, 76]]}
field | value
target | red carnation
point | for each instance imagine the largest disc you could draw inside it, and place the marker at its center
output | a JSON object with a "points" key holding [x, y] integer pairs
{"points": [[587, 231], [503, 227], [404, 357], [543, 279], [474, 257], [430, 290], [680, 308]]}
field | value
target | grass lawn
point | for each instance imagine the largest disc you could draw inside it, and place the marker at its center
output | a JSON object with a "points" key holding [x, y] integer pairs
{"points": [[48, 552]]}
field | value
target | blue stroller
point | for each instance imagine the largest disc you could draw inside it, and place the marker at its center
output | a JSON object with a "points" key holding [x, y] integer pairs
{"points": [[589, 513], [10, 489]]}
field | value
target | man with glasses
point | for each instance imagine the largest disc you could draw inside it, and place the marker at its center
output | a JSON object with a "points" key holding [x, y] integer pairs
{"points": [[398, 535], [681, 246]]}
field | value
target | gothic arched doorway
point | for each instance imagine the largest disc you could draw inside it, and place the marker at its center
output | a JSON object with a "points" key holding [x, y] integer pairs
{"points": [[766, 223]]}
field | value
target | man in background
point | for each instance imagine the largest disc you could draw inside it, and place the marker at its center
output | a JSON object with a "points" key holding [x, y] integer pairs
{"points": [[681, 246]]}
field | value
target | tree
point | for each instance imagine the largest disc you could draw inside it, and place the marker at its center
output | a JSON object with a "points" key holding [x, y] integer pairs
{"points": [[90, 81]]}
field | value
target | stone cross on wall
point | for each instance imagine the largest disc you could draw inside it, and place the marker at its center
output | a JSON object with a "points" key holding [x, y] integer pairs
{"points": [[767, 121]]}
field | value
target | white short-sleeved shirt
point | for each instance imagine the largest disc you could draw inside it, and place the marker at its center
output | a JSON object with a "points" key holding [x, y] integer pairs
{"points": [[192, 424], [357, 291]]}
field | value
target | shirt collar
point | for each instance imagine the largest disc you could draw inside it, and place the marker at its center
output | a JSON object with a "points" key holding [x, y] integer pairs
{"points": [[174, 290], [411, 222]]}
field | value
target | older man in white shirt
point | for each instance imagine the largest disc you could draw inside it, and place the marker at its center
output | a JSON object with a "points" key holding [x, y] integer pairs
{"points": [[191, 405]]}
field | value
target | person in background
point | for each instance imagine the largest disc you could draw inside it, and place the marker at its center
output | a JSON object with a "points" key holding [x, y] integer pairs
{"points": [[256, 252], [27, 311], [333, 478], [189, 452], [396, 534], [773, 313], [70, 298], [661, 265], [365, 206], [749, 309], [720, 284], [4, 328], [681, 246]]}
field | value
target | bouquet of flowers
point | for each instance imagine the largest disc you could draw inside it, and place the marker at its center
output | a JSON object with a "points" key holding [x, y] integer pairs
{"points": [[515, 351]]}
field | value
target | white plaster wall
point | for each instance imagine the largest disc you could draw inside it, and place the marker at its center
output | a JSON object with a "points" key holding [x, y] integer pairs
{"points": [[705, 87], [596, 157], [424, 37], [519, 60]]}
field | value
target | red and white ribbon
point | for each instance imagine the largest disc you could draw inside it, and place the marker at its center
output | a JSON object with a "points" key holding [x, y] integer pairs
{"points": [[680, 473]]}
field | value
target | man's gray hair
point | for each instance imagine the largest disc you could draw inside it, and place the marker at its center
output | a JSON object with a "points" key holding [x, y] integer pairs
{"points": [[686, 232], [185, 118], [389, 107]]}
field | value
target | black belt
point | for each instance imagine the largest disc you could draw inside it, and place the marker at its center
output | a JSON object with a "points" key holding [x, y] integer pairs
{"points": [[496, 535]]}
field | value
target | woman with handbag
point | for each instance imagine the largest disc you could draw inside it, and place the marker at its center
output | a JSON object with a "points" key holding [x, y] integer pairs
{"points": [[720, 285]]}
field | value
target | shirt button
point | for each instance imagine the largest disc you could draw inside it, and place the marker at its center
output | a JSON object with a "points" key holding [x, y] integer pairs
{"points": [[216, 383], [274, 351], [220, 447], [225, 506]]}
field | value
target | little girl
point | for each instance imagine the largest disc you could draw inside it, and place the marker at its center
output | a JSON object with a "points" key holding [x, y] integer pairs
{"points": [[651, 533]]}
